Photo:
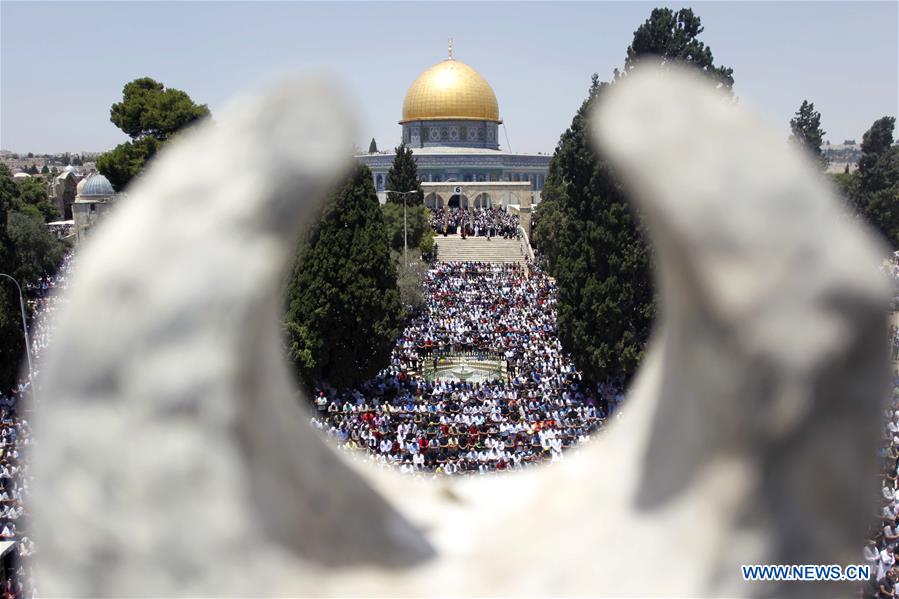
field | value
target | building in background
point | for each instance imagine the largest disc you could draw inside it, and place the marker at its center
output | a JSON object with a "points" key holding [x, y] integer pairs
{"points": [[63, 190], [451, 121], [94, 199]]}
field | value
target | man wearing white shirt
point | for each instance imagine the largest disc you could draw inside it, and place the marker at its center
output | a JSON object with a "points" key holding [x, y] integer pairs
{"points": [[885, 563]]}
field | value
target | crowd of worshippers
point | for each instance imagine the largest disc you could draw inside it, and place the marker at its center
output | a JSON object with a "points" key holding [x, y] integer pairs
{"points": [[538, 408], [890, 266], [881, 549], [475, 222], [15, 437]]}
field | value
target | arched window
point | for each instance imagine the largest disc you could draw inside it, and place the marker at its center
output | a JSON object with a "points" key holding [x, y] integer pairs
{"points": [[379, 183]]}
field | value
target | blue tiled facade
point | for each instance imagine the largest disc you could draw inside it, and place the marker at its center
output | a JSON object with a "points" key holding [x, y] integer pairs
{"points": [[442, 164]]}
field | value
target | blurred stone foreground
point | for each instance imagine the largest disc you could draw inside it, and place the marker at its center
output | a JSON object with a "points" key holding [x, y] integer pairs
{"points": [[173, 459]]}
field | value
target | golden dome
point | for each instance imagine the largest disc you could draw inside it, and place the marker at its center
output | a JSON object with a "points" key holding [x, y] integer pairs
{"points": [[450, 90]]}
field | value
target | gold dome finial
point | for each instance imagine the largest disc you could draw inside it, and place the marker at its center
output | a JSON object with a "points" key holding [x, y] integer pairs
{"points": [[451, 48]]}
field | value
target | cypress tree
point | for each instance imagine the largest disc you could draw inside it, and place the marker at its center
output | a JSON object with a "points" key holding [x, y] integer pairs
{"points": [[344, 312], [403, 176], [874, 189], [588, 232], [807, 132], [373, 146]]}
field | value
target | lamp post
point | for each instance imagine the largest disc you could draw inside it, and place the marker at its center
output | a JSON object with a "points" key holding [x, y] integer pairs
{"points": [[24, 331], [405, 242]]}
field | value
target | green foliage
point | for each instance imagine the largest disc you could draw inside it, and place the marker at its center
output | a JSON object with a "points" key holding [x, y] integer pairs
{"points": [[32, 198], [591, 241], [373, 146], [38, 253], [675, 35], [410, 281], [12, 346], [150, 114], [344, 312], [126, 161], [585, 228], [403, 176], [27, 251], [417, 228], [45, 170], [874, 188], [149, 109], [807, 131]]}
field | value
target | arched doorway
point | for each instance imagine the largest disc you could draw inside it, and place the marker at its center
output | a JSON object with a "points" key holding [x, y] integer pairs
{"points": [[458, 201], [432, 200], [483, 200]]}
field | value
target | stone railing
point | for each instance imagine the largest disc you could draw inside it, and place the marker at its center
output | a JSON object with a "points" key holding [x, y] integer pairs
{"points": [[526, 244]]}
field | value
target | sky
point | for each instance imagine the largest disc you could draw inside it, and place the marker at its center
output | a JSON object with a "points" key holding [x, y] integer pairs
{"points": [[62, 64]]}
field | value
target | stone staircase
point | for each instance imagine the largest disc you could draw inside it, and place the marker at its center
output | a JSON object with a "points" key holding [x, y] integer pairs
{"points": [[453, 248]]}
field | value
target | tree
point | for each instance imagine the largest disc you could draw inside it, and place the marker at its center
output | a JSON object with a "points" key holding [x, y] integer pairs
{"points": [[12, 345], [31, 154], [373, 146], [587, 231], [149, 109], [807, 131], [874, 190], [410, 281], [127, 160], [149, 114], [344, 312], [403, 176], [38, 253], [45, 170], [675, 35], [33, 193], [27, 252], [419, 234]]}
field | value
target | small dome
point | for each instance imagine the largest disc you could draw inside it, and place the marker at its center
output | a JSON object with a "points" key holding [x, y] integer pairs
{"points": [[69, 169], [97, 185], [450, 90]]}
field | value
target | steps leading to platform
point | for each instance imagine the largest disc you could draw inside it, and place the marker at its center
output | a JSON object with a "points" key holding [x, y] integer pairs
{"points": [[453, 248]]}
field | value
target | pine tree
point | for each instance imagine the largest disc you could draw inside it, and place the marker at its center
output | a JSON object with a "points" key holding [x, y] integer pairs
{"points": [[806, 128], [344, 312], [149, 114], [588, 232], [403, 176], [373, 146]]}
